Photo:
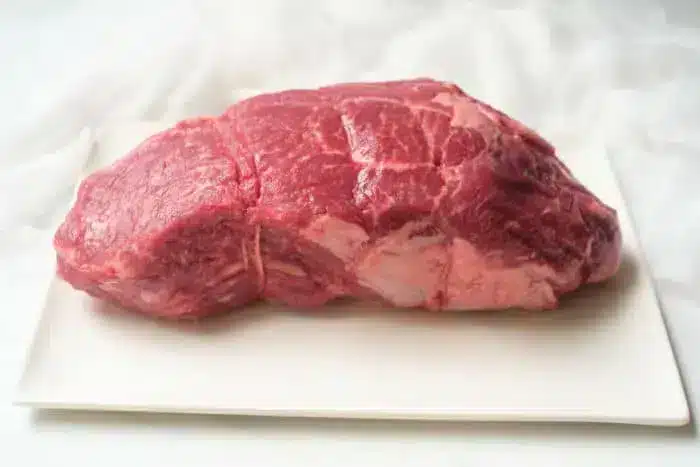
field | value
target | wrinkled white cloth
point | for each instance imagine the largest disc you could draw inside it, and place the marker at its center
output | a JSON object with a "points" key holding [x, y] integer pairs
{"points": [[621, 77]]}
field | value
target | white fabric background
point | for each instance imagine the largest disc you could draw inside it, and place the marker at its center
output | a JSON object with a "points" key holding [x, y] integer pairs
{"points": [[621, 77]]}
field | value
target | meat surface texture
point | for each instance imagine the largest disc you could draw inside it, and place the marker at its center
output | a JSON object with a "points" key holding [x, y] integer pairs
{"points": [[410, 193]]}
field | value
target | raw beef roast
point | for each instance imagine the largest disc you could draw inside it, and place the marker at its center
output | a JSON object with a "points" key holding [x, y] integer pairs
{"points": [[411, 193]]}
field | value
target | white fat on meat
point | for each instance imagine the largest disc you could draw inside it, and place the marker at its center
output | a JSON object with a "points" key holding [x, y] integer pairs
{"points": [[478, 282], [464, 113], [406, 269], [411, 269], [285, 268], [343, 239]]}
